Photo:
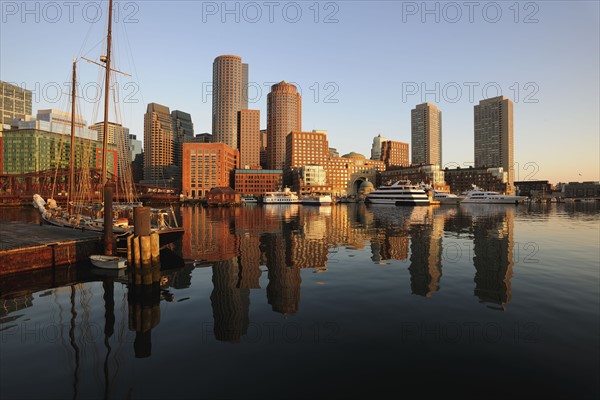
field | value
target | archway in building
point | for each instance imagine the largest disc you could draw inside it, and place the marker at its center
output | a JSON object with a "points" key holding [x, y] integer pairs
{"points": [[356, 184]]}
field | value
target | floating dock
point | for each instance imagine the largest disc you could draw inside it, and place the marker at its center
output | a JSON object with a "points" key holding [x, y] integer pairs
{"points": [[25, 247]]}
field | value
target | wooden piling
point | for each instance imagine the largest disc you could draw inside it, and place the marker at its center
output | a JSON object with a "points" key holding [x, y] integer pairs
{"points": [[155, 248], [130, 249], [136, 252], [141, 221]]}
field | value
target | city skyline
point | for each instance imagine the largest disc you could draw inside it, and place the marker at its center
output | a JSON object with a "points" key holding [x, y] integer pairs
{"points": [[372, 98]]}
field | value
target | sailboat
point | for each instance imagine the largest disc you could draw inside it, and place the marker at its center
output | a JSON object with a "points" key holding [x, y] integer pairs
{"points": [[88, 215]]}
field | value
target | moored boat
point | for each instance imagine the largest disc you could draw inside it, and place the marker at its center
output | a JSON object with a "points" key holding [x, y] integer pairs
{"points": [[285, 196], [247, 199], [108, 262], [400, 193], [447, 198], [480, 196], [317, 199]]}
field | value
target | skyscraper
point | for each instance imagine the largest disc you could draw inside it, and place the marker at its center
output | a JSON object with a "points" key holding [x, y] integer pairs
{"points": [[230, 95], [249, 138], [376, 147], [245, 69], [494, 136], [426, 134], [158, 145], [284, 114], [183, 131], [264, 159], [119, 136], [15, 103]]}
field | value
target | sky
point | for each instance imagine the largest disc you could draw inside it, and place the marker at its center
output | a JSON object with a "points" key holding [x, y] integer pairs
{"points": [[360, 66]]}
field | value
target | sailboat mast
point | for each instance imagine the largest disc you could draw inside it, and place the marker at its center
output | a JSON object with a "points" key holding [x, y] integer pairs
{"points": [[72, 157], [106, 94]]}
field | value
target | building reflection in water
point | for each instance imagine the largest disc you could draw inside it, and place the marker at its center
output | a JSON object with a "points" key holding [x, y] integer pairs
{"points": [[236, 242], [426, 230], [230, 302], [240, 242], [493, 247]]}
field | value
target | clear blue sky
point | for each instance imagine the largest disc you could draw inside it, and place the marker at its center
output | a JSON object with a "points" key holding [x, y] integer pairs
{"points": [[361, 66]]}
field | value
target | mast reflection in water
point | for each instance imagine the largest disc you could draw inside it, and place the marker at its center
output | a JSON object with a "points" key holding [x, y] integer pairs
{"points": [[343, 291]]}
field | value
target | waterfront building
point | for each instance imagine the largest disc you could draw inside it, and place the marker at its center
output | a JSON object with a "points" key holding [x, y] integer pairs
{"points": [[394, 153], [306, 148], [310, 179], [257, 182], [376, 147], [343, 174], [15, 103], [58, 122], [431, 174], [158, 147], [462, 179], [207, 165], [31, 151], [284, 115], [426, 134], [347, 173], [249, 138], [533, 188], [493, 137], [118, 135], [230, 80], [222, 196], [582, 190]]}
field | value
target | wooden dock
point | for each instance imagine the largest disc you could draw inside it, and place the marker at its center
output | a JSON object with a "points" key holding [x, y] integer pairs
{"points": [[25, 247]]}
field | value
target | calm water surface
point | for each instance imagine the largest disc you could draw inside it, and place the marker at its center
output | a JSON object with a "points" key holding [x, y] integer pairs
{"points": [[307, 302]]}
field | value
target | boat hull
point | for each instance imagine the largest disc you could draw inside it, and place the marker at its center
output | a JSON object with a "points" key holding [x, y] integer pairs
{"points": [[492, 201], [399, 202], [450, 201], [281, 201], [108, 262]]}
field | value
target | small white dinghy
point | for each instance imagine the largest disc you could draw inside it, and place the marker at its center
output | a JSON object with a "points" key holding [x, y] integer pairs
{"points": [[108, 262]]}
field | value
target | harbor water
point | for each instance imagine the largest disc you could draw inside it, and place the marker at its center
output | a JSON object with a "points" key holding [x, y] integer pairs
{"points": [[348, 300]]}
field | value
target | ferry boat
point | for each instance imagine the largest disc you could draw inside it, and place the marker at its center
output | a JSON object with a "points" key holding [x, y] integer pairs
{"points": [[247, 199], [317, 199], [285, 196], [400, 193], [448, 198], [477, 195]]}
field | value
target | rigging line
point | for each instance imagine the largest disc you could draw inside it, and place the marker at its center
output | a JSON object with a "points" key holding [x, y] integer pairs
{"points": [[101, 41], [86, 38], [132, 61]]}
